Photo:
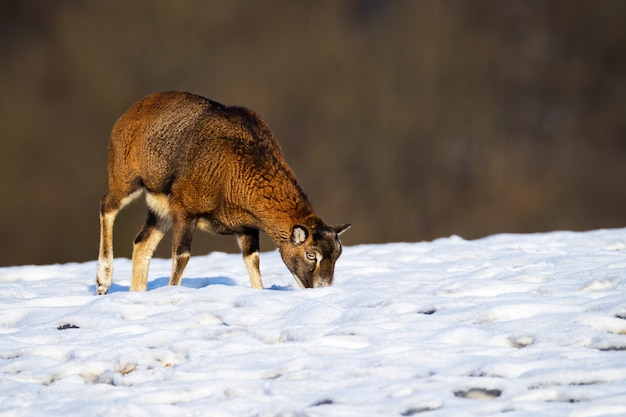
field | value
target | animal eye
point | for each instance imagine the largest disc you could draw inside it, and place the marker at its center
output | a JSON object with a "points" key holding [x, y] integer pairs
{"points": [[310, 256]]}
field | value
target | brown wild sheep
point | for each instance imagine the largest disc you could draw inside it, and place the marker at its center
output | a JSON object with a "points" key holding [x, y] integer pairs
{"points": [[214, 167]]}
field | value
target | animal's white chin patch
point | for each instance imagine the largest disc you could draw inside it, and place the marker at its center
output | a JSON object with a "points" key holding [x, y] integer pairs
{"points": [[298, 281]]}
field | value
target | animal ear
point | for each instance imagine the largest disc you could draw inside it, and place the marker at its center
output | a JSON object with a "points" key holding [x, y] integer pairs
{"points": [[298, 234], [342, 228]]}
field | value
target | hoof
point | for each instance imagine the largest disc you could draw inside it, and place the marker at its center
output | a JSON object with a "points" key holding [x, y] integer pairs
{"points": [[101, 289]]}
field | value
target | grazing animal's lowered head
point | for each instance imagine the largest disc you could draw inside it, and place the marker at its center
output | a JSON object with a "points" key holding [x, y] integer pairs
{"points": [[218, 168], [311, 252]]}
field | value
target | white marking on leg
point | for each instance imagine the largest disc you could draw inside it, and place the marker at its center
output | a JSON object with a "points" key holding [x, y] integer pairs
{"points": [[142, 254], [252, 262], [159, 204], [130, 197], [104, 275], [179, 262]]}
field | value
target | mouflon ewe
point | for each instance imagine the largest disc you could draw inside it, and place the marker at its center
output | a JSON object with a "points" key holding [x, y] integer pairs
{"points": [[217, 168]]}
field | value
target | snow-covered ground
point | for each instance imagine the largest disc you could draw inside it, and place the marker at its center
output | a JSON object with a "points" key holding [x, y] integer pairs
{"points": [[518, 325]]}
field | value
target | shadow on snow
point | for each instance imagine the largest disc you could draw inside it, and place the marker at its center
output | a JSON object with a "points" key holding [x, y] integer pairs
{"points": [[164, 282], [196, 283]]}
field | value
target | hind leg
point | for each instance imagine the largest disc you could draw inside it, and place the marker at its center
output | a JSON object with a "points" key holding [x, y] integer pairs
{"points": [[157, 224], [109, 208]]}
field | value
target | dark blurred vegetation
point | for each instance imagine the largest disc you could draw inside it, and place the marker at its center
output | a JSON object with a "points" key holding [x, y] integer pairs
{"points": [[410, 119]]}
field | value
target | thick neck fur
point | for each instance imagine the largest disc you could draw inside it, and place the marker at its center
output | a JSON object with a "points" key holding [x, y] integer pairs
{"points": [[278, 203], [280, 208]]}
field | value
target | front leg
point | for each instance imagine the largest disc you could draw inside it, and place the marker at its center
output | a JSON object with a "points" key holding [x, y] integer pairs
{"points": [[249, 244]]}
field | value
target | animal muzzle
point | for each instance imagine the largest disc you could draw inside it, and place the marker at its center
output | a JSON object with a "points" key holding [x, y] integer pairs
{"points": [[320, 282], [317, 283]]}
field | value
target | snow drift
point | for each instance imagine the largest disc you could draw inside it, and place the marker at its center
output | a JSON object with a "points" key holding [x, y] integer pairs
{"points": [[522, 325]]}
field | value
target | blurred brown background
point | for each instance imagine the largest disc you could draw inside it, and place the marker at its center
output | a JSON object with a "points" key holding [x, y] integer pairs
{"points": [[410, 119]]}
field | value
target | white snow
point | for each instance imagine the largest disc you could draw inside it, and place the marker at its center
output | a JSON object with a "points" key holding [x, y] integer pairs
{"points": [[518, 325]]}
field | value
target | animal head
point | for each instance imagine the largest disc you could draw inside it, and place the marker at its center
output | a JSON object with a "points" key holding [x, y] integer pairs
{"points": [[311, 253]]}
